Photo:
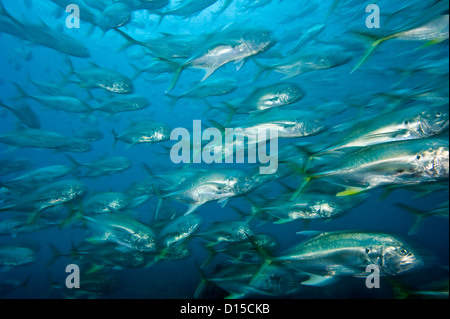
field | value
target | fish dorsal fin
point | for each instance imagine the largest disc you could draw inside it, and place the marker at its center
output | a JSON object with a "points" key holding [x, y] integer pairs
{"points": [[318, 281], [310, 233]]}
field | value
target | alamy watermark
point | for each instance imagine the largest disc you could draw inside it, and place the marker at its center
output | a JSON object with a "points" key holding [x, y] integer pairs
{"points": [[232, 145], [373, 20], [73, 280], [73, 20], [373, 280]]}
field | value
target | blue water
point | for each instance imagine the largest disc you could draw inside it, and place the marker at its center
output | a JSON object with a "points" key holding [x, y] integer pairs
{"points": [[20, 61]]}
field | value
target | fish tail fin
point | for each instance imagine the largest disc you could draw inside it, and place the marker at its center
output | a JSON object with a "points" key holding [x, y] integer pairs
{"points": [[116, 138], [25, 283], [148, 169], [203, 282], [173, 99], [161, 16], [255, 209], [137, 72], [374, 42], [231, 111], [175, 78], [209, 107], [55, 254], [211, 254], [399, 290], [177, 67], [217, 125], [160, 200], [21, 94], [419, 216], [5, 106], [74, 162], [71, 68], [5, 12], [129, 39], [262, 69], [265, 256]]}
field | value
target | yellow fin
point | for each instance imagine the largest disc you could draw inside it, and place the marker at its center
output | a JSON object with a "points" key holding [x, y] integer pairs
{"points": [[350, 191]]}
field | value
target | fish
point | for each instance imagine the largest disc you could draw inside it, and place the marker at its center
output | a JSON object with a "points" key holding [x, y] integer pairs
{"points": [[400, 125], [10, 285], [288, 123], [145, 131], [309, 35], [146, 4], [61, 103], [178, 230], [243, 251], [21, 225], [106, 202], [268, 97], [42, 34], [437, 289], [186, 9], [433, 32], [89, 134], [215, 87], [103, 166], [103, 78], [53, 194], [121, 230], [213, 185], [14, 256], [310, 205], [238, 281], [230, 45], [38, 138], [330, 255], [397, 163], [9, 166], [48, 88], [125, 103], [104, 15], [218, 232], [440, 210], [39, 176], [323, 57], [25, 114], [101, 256]]}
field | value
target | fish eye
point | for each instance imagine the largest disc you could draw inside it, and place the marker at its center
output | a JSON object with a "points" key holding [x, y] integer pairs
{"points": [[439, 114], [403, 251], [406, 122], [419, 157], [367, 250]]}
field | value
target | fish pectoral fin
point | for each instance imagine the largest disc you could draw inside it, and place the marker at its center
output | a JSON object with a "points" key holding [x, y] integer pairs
{"points": [[431, 43], [282, 221], [192, 208], [310, 233], [123, 249], [208, 73], [223, 202], [95, 240], [351, 191], [94, 268], [235, 296], [239, 64], [318, 281]]}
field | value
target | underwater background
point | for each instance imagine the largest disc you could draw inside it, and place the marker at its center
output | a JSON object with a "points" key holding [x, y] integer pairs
{"points": [[394, 74]]}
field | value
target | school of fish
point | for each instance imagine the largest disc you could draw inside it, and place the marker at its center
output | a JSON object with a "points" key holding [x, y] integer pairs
{"points": [[102, 113]]}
